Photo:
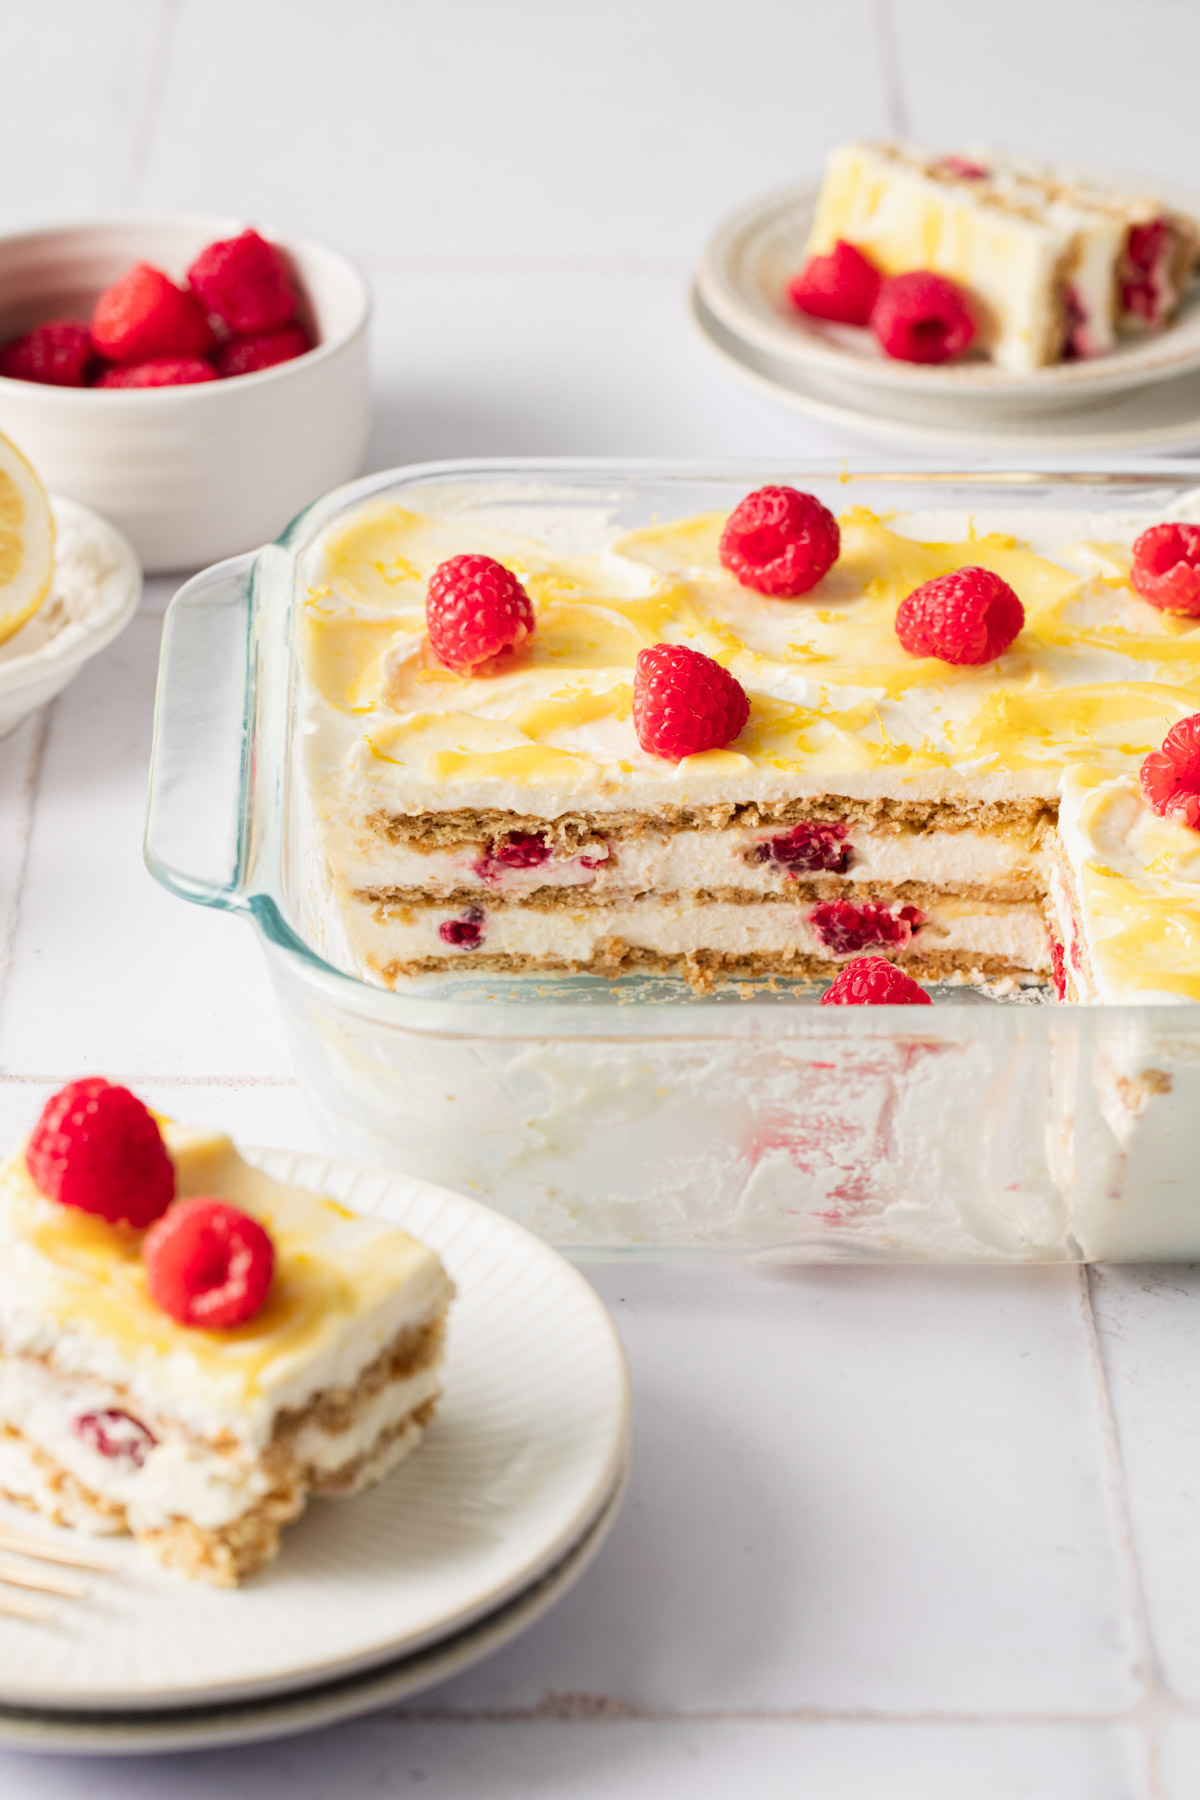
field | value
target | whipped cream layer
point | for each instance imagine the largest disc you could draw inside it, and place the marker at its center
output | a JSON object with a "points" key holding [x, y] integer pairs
{"points": [[753, 861], [395, 940], [73, 1294], [178, 1477]]}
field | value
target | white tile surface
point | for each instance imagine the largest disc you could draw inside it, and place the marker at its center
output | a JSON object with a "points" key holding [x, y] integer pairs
{"points": [[1181, 1760], [20, 756], [1149, 1324], [837, 1453], [78, 92], [884, 1503], [1108, 83], [561, 363], [693, 1760], [110, 974], [530, 130]]}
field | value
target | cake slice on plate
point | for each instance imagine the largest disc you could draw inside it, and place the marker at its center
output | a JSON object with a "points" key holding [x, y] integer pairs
{"points": [[189, 1349], [1056, 265]]}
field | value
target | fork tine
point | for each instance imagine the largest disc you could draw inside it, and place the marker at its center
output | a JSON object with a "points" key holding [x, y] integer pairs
{"points": [[12, 1606], [14, 1574], [25, 1544]]}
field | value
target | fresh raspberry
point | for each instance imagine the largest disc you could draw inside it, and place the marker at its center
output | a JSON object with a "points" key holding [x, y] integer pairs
{"points": [[962, 168], [245, 282], [809, 846], [160, 371], [520, 850], [970, 616], [685, 702], [842, 286], [145, 316], [56, 354], [117, 1435], [466, 932], [780, 542], [874, 981], [1058, 965], [1166, 568], [921, 317], [246, 355], [475, 608], [1142, 292], [1171, 776], [847, 926], [208, 1264], [98, 1148]]}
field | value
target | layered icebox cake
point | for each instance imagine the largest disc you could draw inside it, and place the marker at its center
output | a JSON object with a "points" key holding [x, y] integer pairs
{"points": [[756, 744], [1056, 265], [189, 1349]]}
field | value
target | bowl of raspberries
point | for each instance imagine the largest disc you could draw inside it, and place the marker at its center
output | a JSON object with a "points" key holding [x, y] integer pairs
{"points": [[196, 380]]}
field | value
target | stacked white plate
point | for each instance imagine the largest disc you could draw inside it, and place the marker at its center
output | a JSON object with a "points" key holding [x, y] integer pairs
{"points": [[371, 1599], [1144, 396]]}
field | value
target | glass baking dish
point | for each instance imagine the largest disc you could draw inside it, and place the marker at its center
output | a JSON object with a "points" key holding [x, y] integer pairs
{"points": [[633, 1116]]}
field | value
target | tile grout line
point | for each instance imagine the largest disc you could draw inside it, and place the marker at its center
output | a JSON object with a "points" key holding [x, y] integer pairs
{"points": [[157, 1080], [888, 51], [1156, 1703], [585, 1708], [29, 794], [146, 115]]}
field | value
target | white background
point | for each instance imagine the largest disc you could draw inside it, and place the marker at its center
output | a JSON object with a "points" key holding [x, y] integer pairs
{"points": [[928, 1533]]}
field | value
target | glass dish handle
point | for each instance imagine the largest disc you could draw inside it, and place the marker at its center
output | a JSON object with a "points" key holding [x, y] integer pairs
{"points": [[203, 715]]}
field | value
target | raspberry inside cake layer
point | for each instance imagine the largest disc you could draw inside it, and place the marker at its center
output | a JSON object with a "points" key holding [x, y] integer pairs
{"points": [[875, 799], [203, 1444]]}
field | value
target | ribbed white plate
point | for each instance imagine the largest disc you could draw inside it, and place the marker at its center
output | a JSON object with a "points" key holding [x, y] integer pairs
{"points": [[524, 1453], [743, 275], [1165, 416], [96, 589], [282, 1715]]}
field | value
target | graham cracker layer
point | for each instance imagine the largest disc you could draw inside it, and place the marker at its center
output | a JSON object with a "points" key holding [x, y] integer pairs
{"points": [[799, 888], [571, 833], [701, 967]]}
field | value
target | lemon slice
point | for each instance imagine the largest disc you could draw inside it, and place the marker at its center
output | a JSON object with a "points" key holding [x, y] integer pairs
{"points": [[26, 541]]}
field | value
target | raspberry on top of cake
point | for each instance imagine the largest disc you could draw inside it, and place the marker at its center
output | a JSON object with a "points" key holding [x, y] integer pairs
{"points": [[761, 742], [188, 1348]]}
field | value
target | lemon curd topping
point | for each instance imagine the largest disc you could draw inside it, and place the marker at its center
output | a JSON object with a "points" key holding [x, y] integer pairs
{"points": [[332, 1269], [831, 688]]}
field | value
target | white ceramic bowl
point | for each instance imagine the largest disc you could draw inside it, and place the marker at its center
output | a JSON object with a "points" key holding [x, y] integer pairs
{"points": [[97, 585], [189, 474]]}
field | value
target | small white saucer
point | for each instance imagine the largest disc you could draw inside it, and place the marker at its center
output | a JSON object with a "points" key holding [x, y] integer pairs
{"points": [[96, 589], [742, 279], [523, 1456], [1162, 417]]}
